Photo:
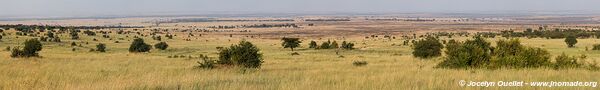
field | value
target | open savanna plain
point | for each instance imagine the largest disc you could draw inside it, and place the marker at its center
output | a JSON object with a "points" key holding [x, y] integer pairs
{"points": [[391, 65]]}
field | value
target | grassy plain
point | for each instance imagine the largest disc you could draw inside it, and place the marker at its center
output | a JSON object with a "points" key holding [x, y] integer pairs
{"points": [[390, 66]]}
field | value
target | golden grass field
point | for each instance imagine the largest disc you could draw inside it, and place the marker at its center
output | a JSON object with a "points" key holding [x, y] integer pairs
{"points": [[390, 66]]}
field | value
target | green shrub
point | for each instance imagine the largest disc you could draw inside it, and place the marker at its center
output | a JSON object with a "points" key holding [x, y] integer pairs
{"points": [[347, 45], [465, 55], [564, 61], [512, 54], [312, 44], [325, 45], [596, 47], [525, 58], [206, 63], [138, 45], [244, 54], [507, 48], [426, 48], [334, 45], [161, 45], [101, 47]]}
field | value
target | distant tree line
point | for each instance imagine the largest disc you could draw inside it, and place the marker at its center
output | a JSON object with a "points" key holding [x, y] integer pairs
{"points": [[287, 25], [326, 20], [42, 28], [224, 20]]}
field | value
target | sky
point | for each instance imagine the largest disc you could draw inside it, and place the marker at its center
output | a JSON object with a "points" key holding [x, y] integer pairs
{"points": [[151, 7]]}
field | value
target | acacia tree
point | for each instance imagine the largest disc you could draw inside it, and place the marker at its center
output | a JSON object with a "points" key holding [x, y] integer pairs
{"points": [[571, 41], [290, 43]]}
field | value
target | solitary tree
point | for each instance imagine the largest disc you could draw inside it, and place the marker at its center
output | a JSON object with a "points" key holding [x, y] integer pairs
{"points": [[101, 47], [138, 45], [571, 41], [290, 43]]}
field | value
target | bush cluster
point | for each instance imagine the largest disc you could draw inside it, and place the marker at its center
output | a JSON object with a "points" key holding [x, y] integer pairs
{"points": [[347, 45], [477, 53], [74, 35], [325, 45], [32, 46], [331, 45]]}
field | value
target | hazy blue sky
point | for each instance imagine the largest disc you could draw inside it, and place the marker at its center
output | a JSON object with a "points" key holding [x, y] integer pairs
{"points": [[143, 7]]}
